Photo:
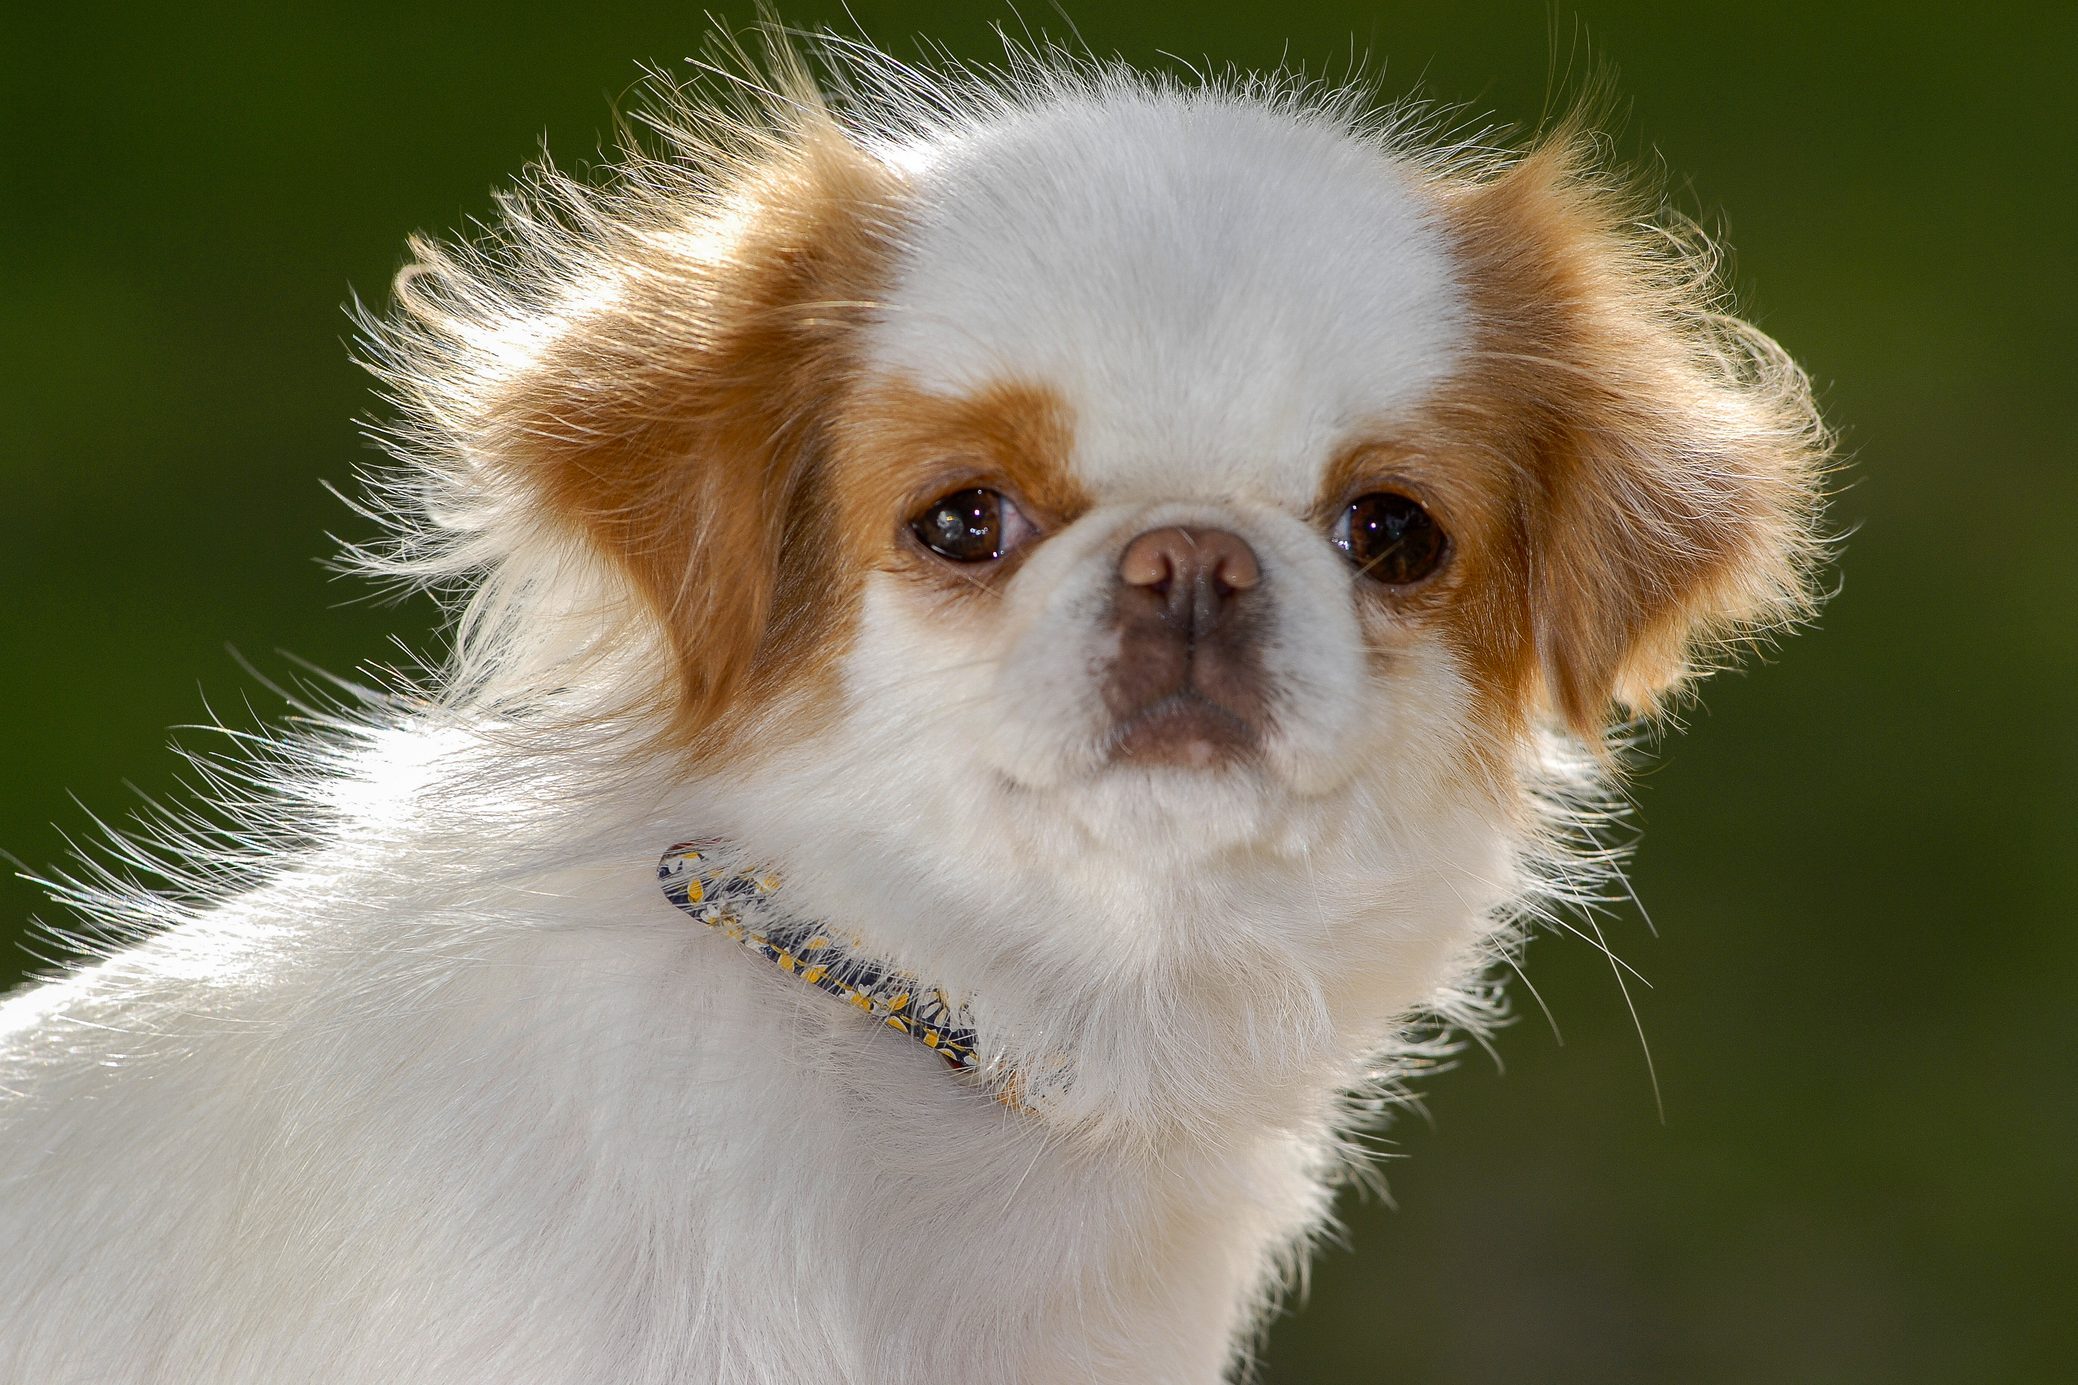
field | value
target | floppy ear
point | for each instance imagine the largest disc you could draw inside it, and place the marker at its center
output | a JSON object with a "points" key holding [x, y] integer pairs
{"points": [[645, 370], [1667, 455]]}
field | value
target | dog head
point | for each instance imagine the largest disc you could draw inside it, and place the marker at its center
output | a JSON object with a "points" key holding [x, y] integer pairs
{"points": [[1103, 467]]}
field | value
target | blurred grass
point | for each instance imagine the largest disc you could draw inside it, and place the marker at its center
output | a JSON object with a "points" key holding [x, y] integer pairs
{"points": [[1860, 860]]}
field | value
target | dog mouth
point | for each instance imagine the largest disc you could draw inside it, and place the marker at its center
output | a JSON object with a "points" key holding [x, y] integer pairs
{"points": [[1186, 730]]}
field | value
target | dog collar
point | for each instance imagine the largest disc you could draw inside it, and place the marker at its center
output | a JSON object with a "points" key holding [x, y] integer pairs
{"points": [[706, 880]]}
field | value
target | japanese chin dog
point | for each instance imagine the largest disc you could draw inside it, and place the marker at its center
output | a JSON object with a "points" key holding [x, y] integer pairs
{"points": [[1025, 643]]}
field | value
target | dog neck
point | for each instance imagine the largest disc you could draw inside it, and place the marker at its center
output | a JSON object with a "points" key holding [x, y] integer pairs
{"points": [[745, 903], [1258, 988]]}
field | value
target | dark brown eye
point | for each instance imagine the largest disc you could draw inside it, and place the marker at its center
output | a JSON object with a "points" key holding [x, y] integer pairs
{"points": [[1389, 538], [976, 525]]}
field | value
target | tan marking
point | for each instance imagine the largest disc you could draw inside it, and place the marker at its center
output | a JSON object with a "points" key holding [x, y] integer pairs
{"points": [[897, 448], [1630, 478], [678, 421]]}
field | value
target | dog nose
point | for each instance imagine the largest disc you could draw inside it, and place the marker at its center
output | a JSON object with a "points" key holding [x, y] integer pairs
{"points": [[1193, 574]]}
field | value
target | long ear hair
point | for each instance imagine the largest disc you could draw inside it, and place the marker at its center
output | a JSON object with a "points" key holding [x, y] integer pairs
{"points": [[1668, 455], [611, 406]]}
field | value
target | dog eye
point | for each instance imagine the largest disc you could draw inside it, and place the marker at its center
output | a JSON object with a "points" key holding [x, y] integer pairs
{"points": [[975, 525], [1389, 538]]}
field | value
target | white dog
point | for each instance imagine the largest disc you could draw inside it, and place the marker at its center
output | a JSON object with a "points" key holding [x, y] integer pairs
{"points": [[1025, 638]]}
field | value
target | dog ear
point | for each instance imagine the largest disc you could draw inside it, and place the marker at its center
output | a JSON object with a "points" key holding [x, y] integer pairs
{"points": [[649, 367], [1667, 455]]}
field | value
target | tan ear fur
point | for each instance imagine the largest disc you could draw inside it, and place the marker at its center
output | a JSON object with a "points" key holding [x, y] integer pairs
{"points": [[654, 362], [1668, 455]]}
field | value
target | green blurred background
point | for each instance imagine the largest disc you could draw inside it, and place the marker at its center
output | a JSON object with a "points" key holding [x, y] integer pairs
{"points": [[1861, 859]]}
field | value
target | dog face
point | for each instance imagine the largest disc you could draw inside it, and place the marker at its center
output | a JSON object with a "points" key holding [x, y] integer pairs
{"points": [[1156, 539], [1127, 470]]}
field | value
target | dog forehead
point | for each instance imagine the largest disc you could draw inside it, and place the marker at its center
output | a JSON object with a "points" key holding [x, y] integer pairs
{"points": [[1221, 291]]}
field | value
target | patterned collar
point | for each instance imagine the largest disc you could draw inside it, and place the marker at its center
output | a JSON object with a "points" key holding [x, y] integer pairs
{"points": [[708, 881]]}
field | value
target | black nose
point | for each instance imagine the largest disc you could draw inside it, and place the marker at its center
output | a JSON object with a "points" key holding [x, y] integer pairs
{"points": [[1190, 576]]}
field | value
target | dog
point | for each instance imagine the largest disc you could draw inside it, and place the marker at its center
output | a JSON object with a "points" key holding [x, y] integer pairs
{"points": [[1025, 646]]}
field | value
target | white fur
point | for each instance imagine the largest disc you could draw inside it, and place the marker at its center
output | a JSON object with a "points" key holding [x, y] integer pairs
{"points": [[453, 1094], [1184, 268]]}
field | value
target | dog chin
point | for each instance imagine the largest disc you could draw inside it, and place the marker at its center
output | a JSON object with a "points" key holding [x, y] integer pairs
{"points": [[1163, 816]]}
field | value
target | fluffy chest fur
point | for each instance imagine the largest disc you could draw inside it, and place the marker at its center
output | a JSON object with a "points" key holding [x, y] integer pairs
{"points": [[1158, 563], [495, 1118]]}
